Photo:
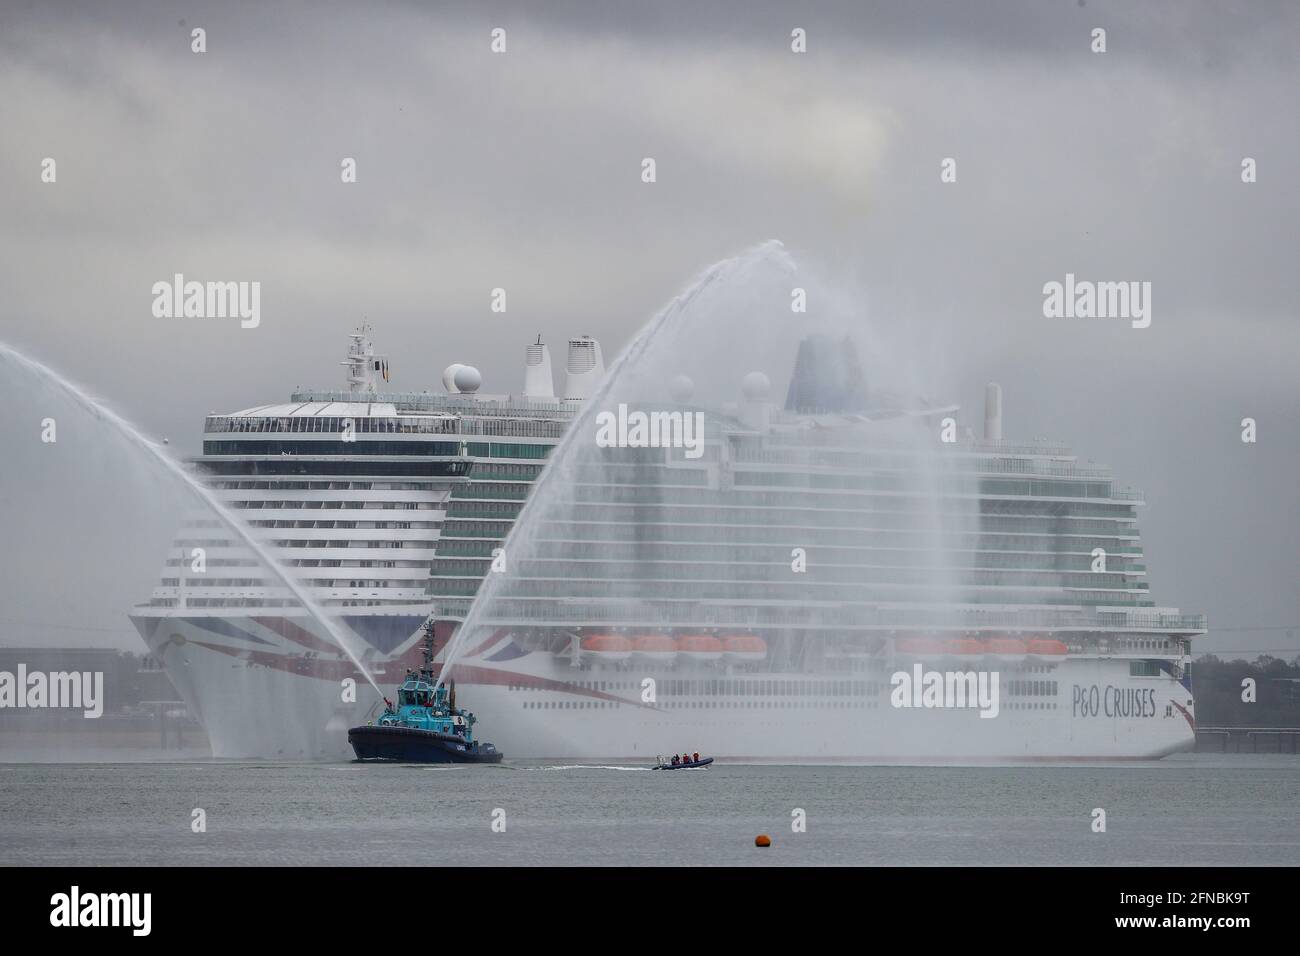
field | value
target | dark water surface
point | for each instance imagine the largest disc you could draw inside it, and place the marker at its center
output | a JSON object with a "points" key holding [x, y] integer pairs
{"points": [[1203, 809]]}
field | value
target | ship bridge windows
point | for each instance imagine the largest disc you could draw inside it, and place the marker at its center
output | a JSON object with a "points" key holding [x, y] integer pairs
{"points": [[324, 447], [326, 423]]}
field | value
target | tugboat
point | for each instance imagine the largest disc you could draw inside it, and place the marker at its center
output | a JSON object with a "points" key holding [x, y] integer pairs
{"points": [[425, 726]]}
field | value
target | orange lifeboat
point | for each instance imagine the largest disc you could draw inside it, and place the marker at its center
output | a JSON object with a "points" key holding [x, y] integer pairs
{"points": [[1044, 648], [607, 647], [921, 648], [963, 647], [1007, 648], [658, 648], [744, 648], [700, 647]]}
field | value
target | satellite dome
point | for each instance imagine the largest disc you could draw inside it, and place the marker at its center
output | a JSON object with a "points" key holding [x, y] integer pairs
{"points": [[681, 388], [449, 377], [467, 378], [755, 387]]}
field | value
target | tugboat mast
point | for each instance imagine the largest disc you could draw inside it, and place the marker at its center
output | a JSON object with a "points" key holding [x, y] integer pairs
{"points": [[428, 646], [427, 669]]}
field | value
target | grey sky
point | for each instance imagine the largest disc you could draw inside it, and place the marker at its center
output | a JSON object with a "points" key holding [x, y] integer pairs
{"points": [[522, 171]]}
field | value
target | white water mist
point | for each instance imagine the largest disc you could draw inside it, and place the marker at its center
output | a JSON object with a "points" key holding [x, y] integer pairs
{"points": [[137, 438]]}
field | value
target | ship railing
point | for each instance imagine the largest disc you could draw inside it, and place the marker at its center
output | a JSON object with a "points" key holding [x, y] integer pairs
{"points": [[848, 460], [1010, 447], [580, 612], [328, 427], [831, 439], [428, 401], [1035, 469]]}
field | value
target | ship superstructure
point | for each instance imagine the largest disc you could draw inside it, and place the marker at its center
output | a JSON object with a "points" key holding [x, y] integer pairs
{"points": [[351, 490]]}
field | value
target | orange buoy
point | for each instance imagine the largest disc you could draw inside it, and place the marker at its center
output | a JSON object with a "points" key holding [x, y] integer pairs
{"points": [[762, 840]]}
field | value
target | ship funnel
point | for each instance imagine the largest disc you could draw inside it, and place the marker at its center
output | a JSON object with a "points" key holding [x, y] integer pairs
{"points": [[585, 368], [827, 378], [993, 412], [538, 382]]}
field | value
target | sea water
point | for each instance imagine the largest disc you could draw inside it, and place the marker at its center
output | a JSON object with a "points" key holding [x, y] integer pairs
{"points": [[1190, 809]]}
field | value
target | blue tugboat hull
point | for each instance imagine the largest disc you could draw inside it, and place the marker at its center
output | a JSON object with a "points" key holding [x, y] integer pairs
{"points": [[410, 745]]}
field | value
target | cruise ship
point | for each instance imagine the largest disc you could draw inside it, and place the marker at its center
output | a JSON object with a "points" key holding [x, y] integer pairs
{"points": [[826, 576], [353, 491], [770, 593]]}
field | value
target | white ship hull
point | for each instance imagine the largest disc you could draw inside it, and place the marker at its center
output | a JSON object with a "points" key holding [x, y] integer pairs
{"points": [[279, 702], [260, 694], [866, 730]]}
